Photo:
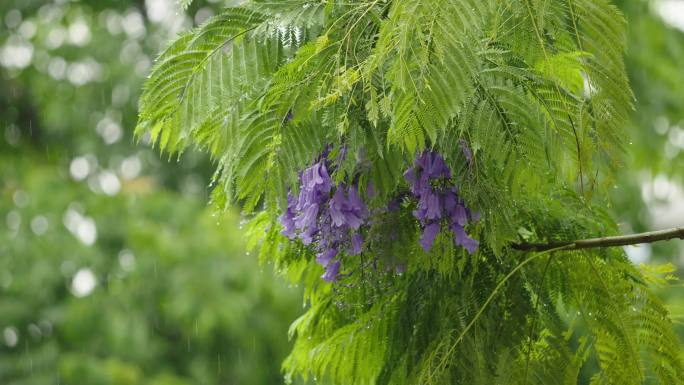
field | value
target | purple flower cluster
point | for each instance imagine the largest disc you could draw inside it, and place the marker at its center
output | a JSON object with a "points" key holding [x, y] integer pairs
{"points": [[331, 222], [438, 201]]}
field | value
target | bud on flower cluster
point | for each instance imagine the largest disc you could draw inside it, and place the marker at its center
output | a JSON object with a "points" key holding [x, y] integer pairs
{"points": [[438, 201]]}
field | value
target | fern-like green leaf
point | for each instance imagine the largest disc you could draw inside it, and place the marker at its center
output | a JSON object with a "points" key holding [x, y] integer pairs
{"points": [[525, 100]]}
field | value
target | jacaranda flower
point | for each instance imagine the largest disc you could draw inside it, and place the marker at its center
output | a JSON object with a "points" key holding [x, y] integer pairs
{"points": [[429, 180], [330, 224], [429, 235], [461, 238], [288, 218], [331, 272], [325, 257], [357, 243]]}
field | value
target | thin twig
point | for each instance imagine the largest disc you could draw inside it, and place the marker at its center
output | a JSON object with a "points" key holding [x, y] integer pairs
{"points": [[621, 240], [498, 287]]}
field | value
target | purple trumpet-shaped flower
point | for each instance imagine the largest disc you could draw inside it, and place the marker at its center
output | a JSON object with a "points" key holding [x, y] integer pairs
{"points": [[357, 243], [288, 218], [330, 224], [307, 236], [438, 168], [432, 165], [315, 185], [325, 257], [308, 217], [337, 208], [357, 207], [411, 176], [449, 201], [433, 209], [429, 235], [424, 159], [461, 238], [319, 177], [437, 202], [347, 210], [331, 272], [459, 215]]}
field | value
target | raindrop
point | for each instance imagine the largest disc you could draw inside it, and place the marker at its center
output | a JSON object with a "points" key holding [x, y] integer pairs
{"points": [[109, 183], [110, 131], [84, 282], [11, 336], [120, 95], [56, 37], [27, 29], [45, 327], [57, 68], [13, 18], [86, 232], [79, 168], [127, 260], [35, 331], [79, 33], [12, 135], [39, 225], [16, 53], [20, 198], [13, 220], [130, 167]]}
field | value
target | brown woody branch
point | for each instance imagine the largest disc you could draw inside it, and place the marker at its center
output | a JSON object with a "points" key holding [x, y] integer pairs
{"points": [[621, 240]]}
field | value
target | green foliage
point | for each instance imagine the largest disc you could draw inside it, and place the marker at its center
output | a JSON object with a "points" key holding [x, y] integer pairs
{"points": [[653, 61], [176, 299], [536, 88], [184, 4]]}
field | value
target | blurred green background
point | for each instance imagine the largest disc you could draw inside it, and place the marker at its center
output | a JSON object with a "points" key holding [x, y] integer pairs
{"points": [[113, 268]]}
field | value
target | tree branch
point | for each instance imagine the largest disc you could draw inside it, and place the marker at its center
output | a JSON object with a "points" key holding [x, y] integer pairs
{"points": [[621, 240]]}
